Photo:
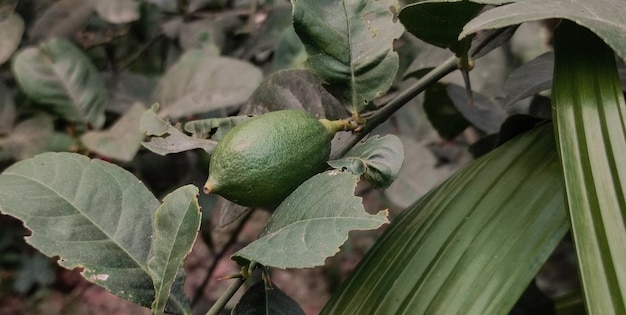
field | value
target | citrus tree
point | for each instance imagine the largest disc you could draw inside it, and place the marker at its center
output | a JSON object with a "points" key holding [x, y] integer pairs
{"points": [[342, 87]]}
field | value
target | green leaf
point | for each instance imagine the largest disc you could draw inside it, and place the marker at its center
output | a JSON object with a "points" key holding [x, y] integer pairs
{"points": [[439, 22], [117, 11], [350, 45], [603, 17], [472, 245], [294, 89], [122, 140], [176, 224], [589, 110], [259, 300], [311, 224], [214, 128], [92, 214], [378, 160], [11, 31], [58, 74], [29, 138], [200, 82], [165, 138]]}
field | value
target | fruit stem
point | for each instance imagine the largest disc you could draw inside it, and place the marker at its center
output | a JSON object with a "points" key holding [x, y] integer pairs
{"points": [[333, 126], [395, 104]]}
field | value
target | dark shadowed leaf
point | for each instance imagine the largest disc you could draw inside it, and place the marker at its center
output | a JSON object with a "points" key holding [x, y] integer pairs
{"points": [[439, 22], [294, 89], [470, 246], [259, 300], [11, 31], [122, 140], [7, 109], [442, 113], [428, 58], [93, 215], [488, 40], [529, 79], [60, 75], [165, 138], [311, 224], [482, 112], [377, 160], [349, 45]]}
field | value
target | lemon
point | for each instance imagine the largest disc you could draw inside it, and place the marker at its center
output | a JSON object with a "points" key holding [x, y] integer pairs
{"points": [[261, 161]]}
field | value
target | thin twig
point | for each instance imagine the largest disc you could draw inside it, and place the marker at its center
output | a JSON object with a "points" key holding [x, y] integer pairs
{"points": [[141, 51], [221, 302], [230, 292], [218, 257]]}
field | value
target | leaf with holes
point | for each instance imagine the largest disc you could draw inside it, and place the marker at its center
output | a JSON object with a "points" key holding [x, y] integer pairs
{"points": [[311, 224], [378, 160], [350, 45], [94, 215]]}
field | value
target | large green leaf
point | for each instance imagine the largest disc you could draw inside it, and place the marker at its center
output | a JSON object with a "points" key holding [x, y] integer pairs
{"points": [[200, 82], [59, 74], [93, 215], [11, 31], [472, 245], [349, 45], [176, 225], [590, 123], [606, 18], [122, 140], [311, 223]]}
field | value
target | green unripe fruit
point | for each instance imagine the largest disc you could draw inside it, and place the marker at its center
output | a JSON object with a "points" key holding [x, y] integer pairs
{"points": [[261, 161]]}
